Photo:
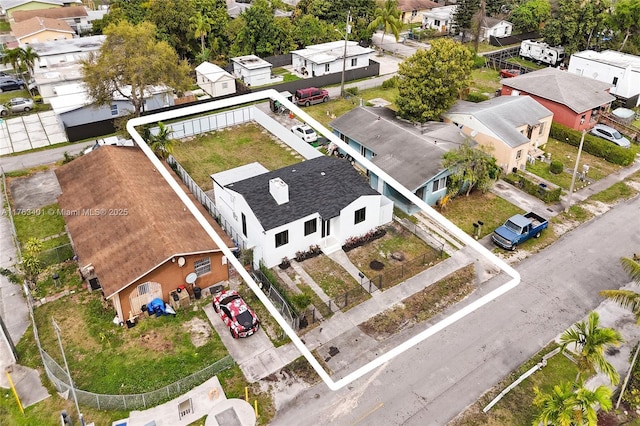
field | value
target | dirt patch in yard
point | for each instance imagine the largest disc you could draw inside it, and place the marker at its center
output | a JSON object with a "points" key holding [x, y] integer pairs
{"points": [[199, 331]]}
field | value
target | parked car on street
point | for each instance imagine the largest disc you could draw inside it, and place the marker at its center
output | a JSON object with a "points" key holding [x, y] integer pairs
{"points": [[7, 84], [310, 96], [507, 73], [610, 134], [20, 105], [518, 229], [305, 132], [235, 313]]}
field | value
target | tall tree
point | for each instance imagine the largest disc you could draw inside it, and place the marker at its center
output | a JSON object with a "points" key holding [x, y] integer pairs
{"points": [[591, 341], [571, 404], [308, 30], [260, 33], [628, 299], [463, 16], [387, 16], [12, 57], [626, 19], [172, 22], [472, 168], [130, 62], [161, 143], [28, 57], [531, 15], [429, 81], [201, 26]]}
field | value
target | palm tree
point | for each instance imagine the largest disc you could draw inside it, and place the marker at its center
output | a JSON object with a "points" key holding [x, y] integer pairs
{"points": [[571, 404], [388, 17], [591, 341], [201, 25], [160, 143], [28, 57], [628, 299], [12, 56]]}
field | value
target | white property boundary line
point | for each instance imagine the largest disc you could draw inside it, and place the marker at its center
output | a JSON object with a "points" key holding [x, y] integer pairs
{"points": [[273, 94]]}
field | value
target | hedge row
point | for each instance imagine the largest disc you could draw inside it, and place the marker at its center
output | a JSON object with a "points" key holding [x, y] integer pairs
{"points": [[593, 145], [545, 194]]}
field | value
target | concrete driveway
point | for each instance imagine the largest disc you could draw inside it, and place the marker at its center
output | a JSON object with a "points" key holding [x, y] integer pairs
{"points": [[31, 131]]}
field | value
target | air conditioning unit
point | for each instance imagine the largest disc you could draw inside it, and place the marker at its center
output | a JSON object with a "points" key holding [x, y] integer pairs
{"points": [[88, 270]]}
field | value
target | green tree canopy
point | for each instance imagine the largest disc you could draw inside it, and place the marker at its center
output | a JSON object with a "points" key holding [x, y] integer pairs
{"points": [[626, 19], [130, 62], [471, 168], [463, 16], [571, 404], [308, 30], [531, 15], [628, 299], [260, 33], [387, 16], [429, 81]]}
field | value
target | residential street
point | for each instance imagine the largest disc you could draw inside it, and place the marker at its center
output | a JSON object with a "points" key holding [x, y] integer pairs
{"points": [[433, 382]]}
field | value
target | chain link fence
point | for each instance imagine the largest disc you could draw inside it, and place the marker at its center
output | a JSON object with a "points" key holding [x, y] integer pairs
{"points": [[56, 255]]}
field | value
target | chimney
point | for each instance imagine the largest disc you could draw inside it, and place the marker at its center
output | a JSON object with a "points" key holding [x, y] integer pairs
{"points": [[279, 190]]}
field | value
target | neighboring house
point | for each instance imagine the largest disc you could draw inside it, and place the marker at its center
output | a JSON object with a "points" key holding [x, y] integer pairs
{"points": [[75, 16], [131, 232], [512, 128], [214, 80], [74, 107], [58, 63], [36, 29], [10, 6], [328, 58], [620, 70], [411, 155], [575, 101], [439, 19], [254, 71], [322, 201], [495, 27], [411, 11]]}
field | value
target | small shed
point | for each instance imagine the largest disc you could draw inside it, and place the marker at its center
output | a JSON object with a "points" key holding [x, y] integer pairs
{"points": [[214, 80], [254, 71]]}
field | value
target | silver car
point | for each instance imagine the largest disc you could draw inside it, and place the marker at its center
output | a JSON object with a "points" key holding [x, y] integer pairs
{"points": [[16, 105], [610, 134]]}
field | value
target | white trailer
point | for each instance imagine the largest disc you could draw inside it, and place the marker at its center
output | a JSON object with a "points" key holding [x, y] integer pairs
{"points": [[541, 52]]}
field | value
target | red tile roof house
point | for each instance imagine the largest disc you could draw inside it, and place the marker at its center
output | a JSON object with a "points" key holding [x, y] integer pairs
{"points": [[130, 230], [575, 101], [38, 29]]}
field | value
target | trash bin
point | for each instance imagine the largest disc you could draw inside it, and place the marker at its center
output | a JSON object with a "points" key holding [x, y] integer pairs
{"points": [[197, 292]]}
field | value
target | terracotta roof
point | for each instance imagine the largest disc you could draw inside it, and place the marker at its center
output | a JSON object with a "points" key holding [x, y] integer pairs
{"points": [[576, 92], [36, 25], [52, 12], [411, 5], [124, 247]]}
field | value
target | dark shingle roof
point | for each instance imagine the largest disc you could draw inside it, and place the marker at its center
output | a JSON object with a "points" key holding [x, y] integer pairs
{"points": [[323, 185], [409, 154], [576, 92]]}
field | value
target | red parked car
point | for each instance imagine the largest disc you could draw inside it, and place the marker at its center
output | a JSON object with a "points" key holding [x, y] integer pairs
{"points": [[235, 313], [506, 73]]}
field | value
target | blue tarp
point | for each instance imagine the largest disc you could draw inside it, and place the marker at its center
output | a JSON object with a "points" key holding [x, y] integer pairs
{"points": [[156, 306]]}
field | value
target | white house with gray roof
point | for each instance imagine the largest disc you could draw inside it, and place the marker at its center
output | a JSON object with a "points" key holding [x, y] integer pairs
{"points": [[254, 71], [327, 58], [215, 80], [512, 128], [410, 155], [322, 201], [620, 70]]}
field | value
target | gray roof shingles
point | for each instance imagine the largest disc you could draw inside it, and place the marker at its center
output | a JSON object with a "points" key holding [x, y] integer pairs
{"points": [[576, 92], [504, 114], [323, 185], [402, 150]]}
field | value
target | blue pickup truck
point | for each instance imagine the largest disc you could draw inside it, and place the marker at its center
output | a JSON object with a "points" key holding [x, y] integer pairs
{"points": [[518, 229]]}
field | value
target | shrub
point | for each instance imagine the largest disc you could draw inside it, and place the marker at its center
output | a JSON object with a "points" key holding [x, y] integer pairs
{"points": [[477, 97], [593, 145], [544, 193], [478, 62], [556, 167], [390, 82], [300, 301], [353, 91]]}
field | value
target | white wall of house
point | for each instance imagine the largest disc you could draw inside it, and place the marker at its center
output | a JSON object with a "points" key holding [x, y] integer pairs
{"points": [[439, 18], [501, 29], [221, 85], [310, 69], [624, 80]]}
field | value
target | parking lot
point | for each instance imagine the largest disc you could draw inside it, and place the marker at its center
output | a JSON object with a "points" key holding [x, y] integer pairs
{"points": [[31, 131]]}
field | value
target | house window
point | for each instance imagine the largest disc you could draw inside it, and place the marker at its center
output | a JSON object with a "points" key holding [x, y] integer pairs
{"points": [[420, 193], [363, 151], [518, 154], [202, 266], [541, 129], [414, 13], [360, 216], [310, 227], [354, 62], [326, 67], [114, 109], [244, 225], [282, 238], [439, 184], [436, 22], [583, 118], [225, 85], [615, 81]]}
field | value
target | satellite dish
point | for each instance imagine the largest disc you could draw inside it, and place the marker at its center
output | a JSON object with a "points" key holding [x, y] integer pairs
{"points": [[191, 278], [181, 261]]}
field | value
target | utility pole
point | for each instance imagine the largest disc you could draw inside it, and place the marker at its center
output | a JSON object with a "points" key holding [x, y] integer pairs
{"points": [[575, 170], [347, 30], [66, 366]]}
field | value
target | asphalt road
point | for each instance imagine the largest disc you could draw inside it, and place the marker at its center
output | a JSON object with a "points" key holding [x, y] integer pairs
{"points": [[433, 382], [11, 163]]}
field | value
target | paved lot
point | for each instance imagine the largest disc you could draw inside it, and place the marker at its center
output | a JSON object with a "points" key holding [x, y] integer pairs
{"points": [[35, 191], [31, 131]]}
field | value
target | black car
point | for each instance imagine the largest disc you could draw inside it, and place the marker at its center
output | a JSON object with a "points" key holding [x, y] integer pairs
{"points": [[7, 84]]}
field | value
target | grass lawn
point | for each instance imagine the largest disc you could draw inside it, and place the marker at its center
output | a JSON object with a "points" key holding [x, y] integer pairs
{"points": [[396, 240], [517, 408], [331, 277], [286, 74], [618, 191], [40, 223], [226, 149], [485, 80], [464, 211]]}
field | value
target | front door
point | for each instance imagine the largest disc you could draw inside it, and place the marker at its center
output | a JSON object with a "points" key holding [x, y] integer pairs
{"points": [[326, 228]]}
